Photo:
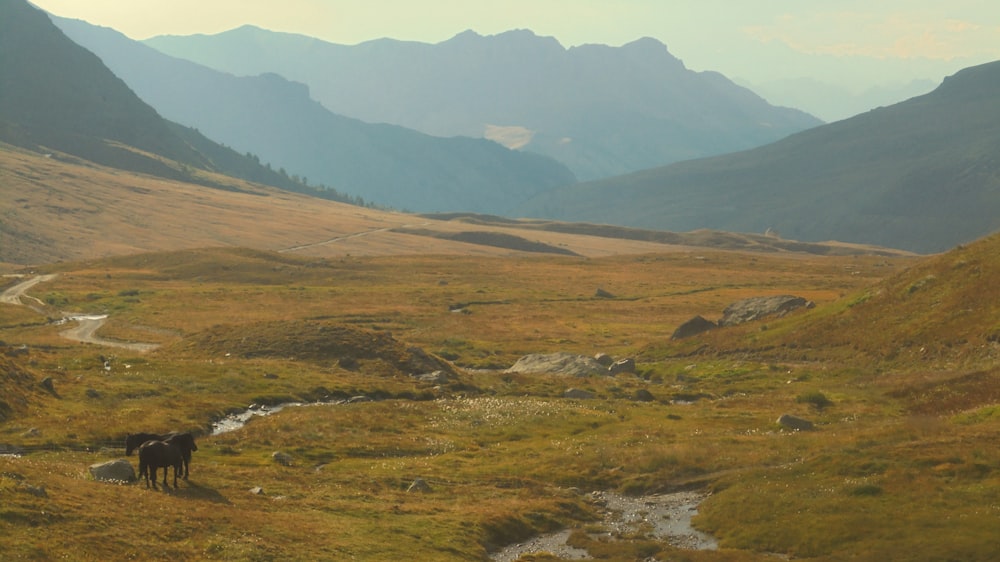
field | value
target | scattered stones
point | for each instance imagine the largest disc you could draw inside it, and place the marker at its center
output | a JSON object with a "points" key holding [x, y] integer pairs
{"points": [[795, 423], [578, 393], [622, 366], [419, 485], [284, 459], [119, 470], [693, 327], [558, 364]]}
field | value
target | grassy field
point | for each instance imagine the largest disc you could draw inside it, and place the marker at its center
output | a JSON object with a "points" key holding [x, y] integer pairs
{"points": [[901, 465]]}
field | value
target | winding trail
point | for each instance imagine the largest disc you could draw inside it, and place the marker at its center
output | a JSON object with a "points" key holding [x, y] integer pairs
{"points": [[85, 330]]}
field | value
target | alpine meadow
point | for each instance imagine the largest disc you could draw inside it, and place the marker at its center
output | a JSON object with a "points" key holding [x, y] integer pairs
{"points": [[357, 314]]}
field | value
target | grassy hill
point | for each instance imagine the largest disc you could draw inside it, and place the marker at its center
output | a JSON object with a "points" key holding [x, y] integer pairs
{"points": [[919, 175]]}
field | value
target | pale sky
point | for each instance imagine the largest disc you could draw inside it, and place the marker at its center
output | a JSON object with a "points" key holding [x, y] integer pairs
{"points": [[850, 41]]}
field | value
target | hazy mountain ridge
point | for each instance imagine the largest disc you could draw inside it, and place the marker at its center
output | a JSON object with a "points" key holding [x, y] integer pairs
{"points": [[278, 121], [600, 110], [920, 175]]}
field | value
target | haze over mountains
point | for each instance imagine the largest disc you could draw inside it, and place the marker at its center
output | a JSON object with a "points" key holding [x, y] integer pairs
{"points": [[600, 110], [277, 121], [922, 175]]}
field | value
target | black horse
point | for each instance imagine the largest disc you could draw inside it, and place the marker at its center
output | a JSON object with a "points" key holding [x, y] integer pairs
{"points": [[184, 441], [156, 454]]}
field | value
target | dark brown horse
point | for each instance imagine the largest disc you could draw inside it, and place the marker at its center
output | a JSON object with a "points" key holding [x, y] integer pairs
{"points": [[154, 455], [184, 441]]}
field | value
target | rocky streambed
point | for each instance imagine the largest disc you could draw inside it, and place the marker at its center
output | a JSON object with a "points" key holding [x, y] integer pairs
{"points": [[660, 516]]}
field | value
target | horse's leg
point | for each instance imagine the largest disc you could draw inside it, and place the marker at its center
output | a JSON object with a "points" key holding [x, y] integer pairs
{"points": [[175, 473], [165, 485]]}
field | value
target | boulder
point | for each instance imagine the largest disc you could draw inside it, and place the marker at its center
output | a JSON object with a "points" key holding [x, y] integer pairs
{"points": [[419, 485], [604, 359], [437, 377], [622, 366], [284, 459], [578, 394], [119, 470], [747, 310], [795, 423], [49, 385], [602, 294], [693, 327], [558, 364], [643, 395]]}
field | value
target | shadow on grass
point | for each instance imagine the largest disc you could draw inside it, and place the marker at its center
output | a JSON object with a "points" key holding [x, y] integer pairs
{"points": [[193, 491]]}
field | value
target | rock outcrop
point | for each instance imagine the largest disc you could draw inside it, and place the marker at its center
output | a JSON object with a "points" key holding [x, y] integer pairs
{"points": [[755, 308], [558, 364], [693, 327], [119, 470]]}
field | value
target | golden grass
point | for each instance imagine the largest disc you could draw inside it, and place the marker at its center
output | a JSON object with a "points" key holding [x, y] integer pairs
{"points": [[900, 466]]}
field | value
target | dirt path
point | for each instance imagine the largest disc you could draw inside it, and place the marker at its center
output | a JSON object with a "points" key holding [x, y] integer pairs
{"points": [[16, 294], [86, 327]]}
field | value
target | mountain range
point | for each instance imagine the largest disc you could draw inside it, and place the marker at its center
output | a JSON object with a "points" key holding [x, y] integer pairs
{"points": [[600, 110], [278, 122], [921, 175]]}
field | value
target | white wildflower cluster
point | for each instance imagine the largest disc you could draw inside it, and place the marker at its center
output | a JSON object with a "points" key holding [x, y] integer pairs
{"points": [[491, 411]]}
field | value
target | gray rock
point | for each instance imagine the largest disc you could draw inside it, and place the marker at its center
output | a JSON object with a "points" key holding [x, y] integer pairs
{"points": [[48, 384], [257, 491], [622, 366], [38, 491], [284, 459], [693, 327], [558, 364], [437, 377], [604, 359], [119, 470], [747, 310], [795, 423], [643, 395], [578, 394], [602, 294], [419, 485]]}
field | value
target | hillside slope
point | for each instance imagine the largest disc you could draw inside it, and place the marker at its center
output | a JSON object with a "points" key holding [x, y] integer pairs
{"points": [[279, 122], [921, 175], [57, 96], [600, 110]]}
